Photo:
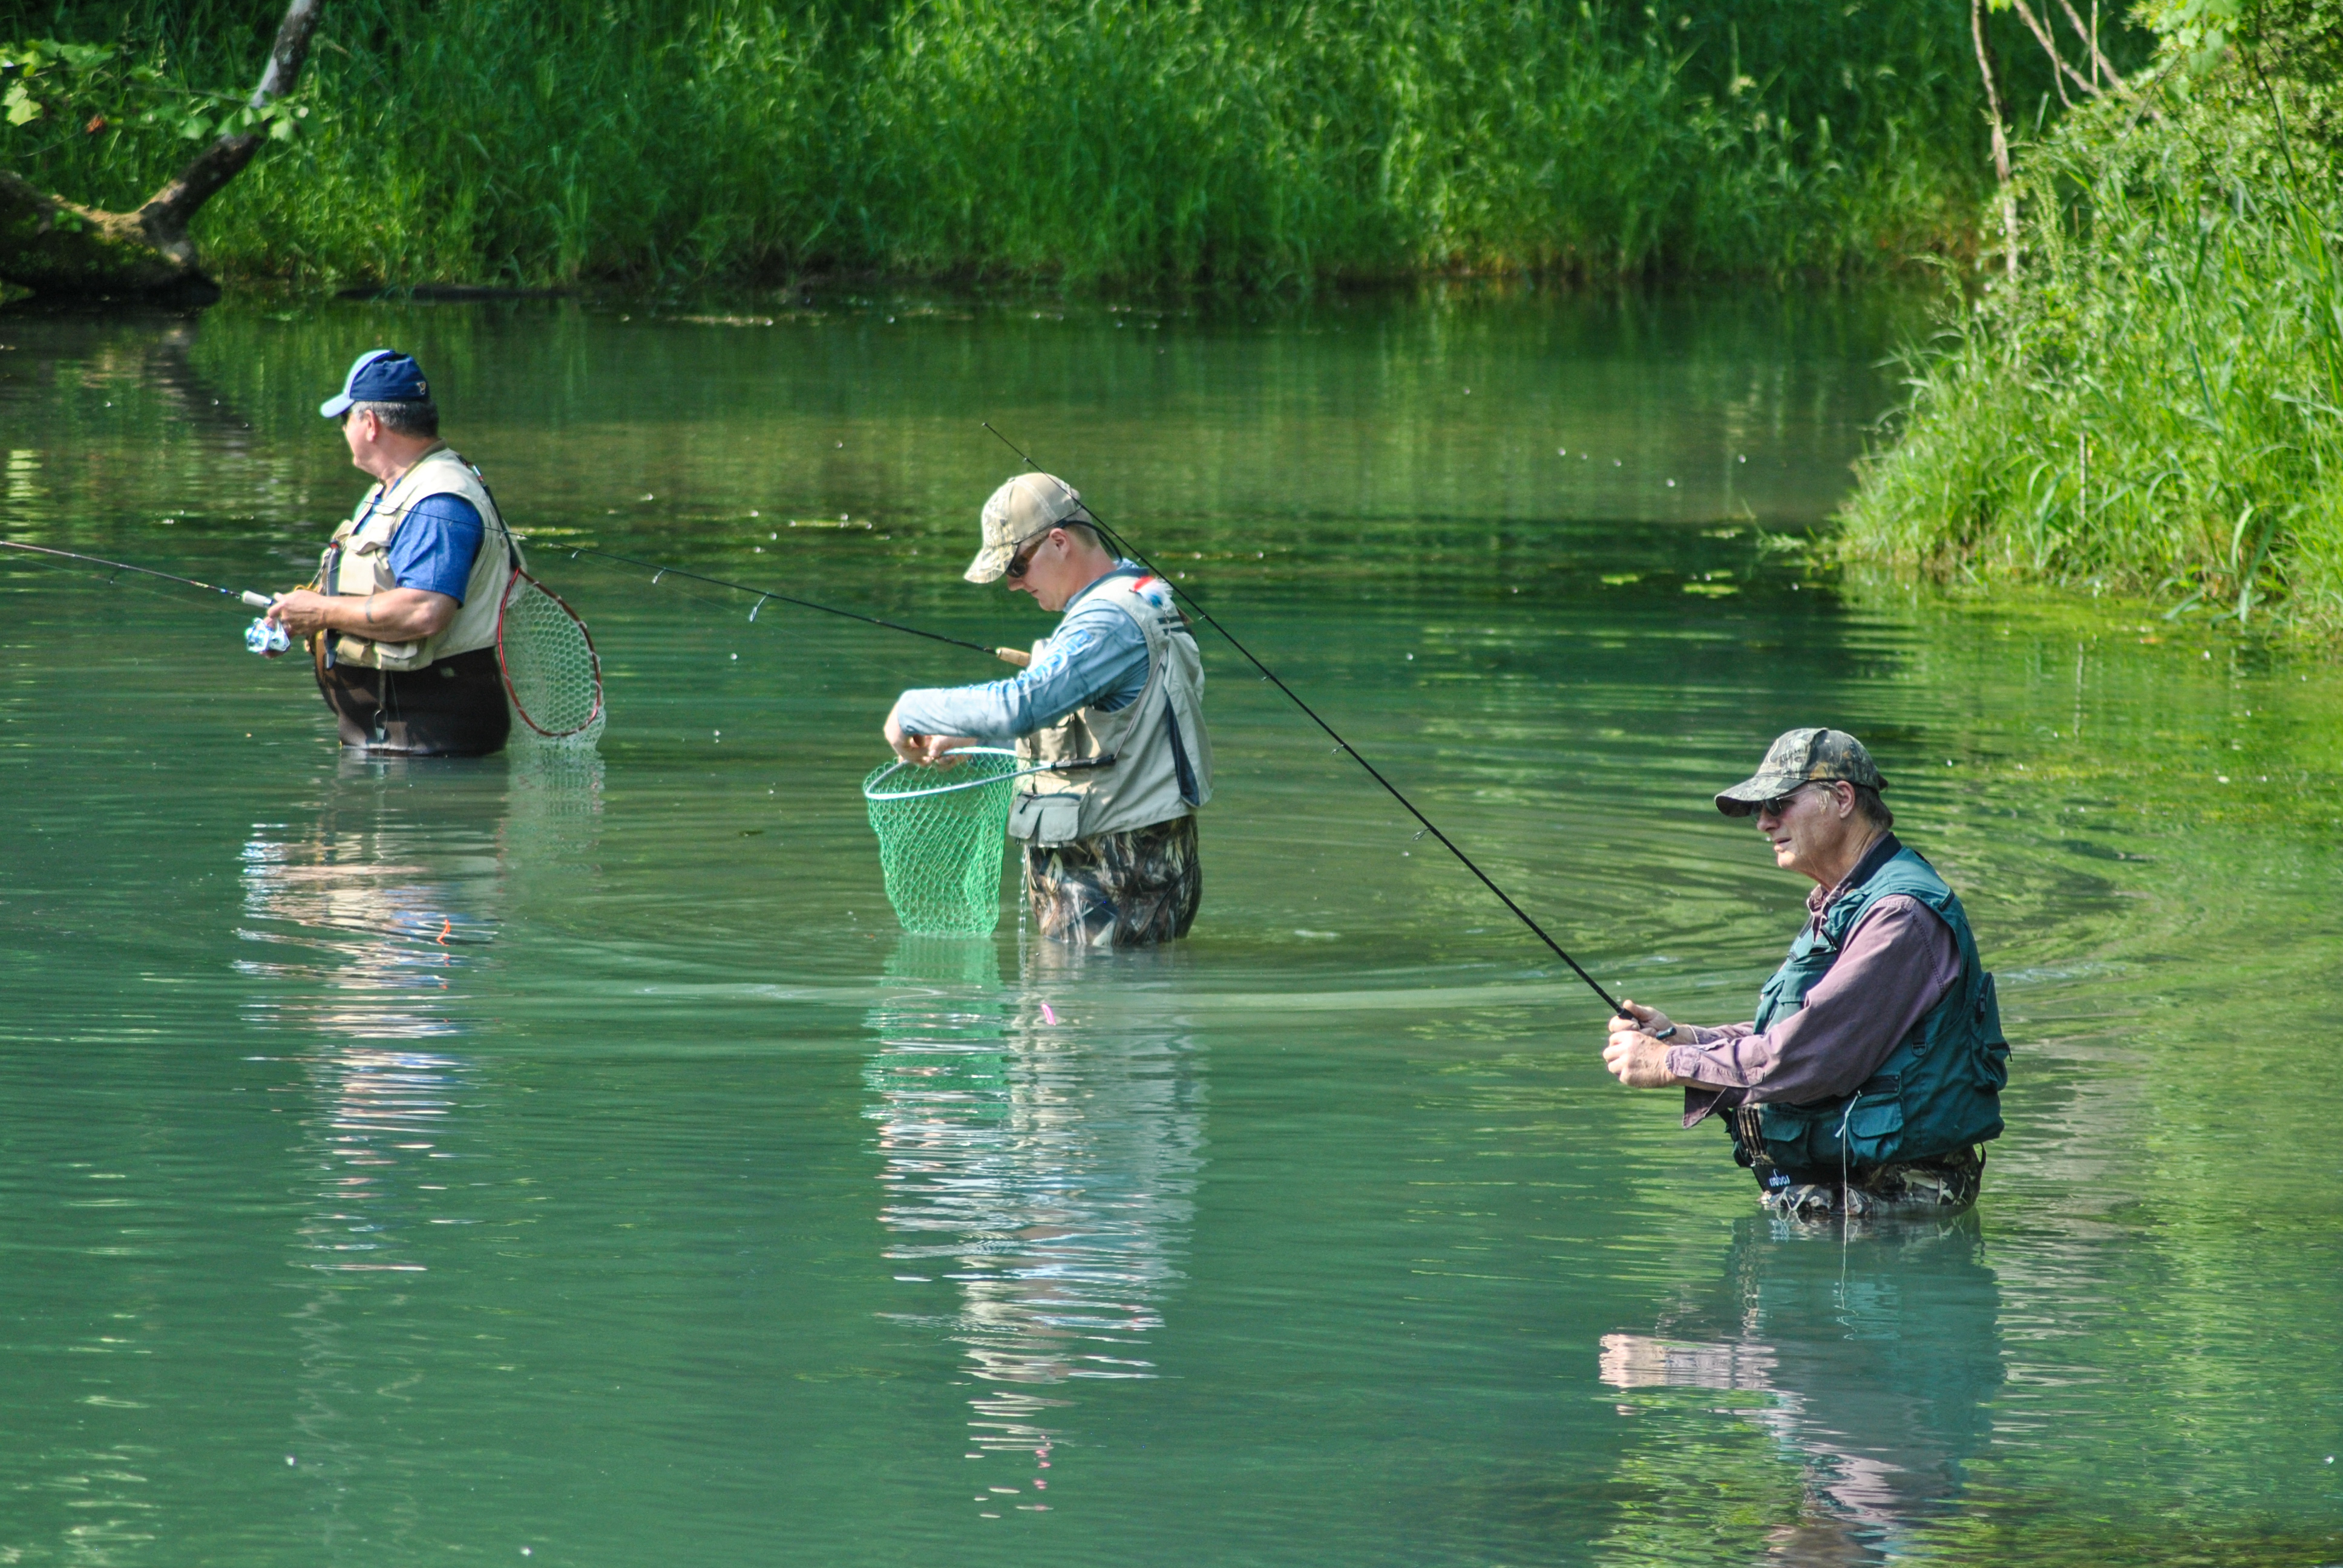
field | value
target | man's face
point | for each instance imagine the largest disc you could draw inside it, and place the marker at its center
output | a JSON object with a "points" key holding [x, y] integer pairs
{"points": [[1807, 828], [357, 434], [1053, 573]]}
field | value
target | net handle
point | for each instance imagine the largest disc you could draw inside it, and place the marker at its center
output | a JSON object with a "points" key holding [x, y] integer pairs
{"points": [[514, 583], [895, 768]]}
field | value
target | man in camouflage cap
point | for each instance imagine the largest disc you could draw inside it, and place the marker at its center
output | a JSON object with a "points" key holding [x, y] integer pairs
{"points": [[1872, 1074], [1111, 703]]}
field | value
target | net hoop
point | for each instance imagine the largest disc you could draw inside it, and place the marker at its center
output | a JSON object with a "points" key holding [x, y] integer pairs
{"points": [[940, 845], [520, 582], [869, 791]]}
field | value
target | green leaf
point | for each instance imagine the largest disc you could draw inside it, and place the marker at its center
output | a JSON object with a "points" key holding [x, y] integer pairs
{"points": [[22, 109]]}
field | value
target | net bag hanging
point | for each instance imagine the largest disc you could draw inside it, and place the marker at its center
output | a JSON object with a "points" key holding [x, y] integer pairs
{"points": [[941, 834], [551, 671]]}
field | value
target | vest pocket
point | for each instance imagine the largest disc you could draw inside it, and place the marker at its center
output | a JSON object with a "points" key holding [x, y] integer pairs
{"points": [[1991, 1061], [1873, 1123], [1046, 819]]}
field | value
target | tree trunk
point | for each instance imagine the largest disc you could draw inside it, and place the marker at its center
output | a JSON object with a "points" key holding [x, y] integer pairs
{"points": [[51, 245], [2000, 136]]}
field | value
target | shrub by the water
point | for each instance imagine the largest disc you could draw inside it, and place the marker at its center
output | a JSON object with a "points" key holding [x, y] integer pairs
{"points": [[2155, 405], [528, 141]]}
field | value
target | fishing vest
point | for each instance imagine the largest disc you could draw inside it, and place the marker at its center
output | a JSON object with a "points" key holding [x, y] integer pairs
{"points": [[1160, 760], [357, 561], [1939, 1090]]}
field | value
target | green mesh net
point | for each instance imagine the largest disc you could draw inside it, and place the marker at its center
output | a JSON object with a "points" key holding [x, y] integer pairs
{"points": [[940, 833]]}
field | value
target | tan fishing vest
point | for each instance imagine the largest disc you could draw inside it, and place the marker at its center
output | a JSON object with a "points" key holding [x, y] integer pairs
{"points": [[358, 562], [1147, 739]]}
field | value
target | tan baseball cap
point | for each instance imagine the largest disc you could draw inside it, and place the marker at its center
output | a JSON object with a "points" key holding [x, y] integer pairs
{"points": [[1025, 508], [1801, 757]]}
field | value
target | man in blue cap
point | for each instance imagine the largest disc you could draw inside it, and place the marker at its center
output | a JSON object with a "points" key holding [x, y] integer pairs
{"points": [[402, 622]]}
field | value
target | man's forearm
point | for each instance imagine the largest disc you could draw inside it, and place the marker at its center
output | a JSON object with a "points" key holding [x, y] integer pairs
{"points": [[393, 615]]}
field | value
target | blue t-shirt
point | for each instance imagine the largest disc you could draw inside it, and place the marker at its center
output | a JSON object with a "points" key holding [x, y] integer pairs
{"points": [[435, 546]]}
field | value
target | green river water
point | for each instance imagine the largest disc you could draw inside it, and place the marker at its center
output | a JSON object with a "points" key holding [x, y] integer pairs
{"points": [[528, 1161]]}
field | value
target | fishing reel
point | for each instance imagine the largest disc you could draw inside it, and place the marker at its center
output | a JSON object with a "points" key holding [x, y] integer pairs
{"points": [[267, 638]]}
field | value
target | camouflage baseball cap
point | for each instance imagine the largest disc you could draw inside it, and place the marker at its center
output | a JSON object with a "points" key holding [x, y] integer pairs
{"points": [[1800, 757], [1027, 505]]}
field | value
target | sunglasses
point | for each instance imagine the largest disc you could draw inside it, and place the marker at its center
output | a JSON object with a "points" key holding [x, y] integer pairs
{"points": [[1780, 803], [1015, 569]]}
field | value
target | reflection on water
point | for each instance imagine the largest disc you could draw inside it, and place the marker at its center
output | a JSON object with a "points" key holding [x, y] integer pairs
{"points": [[1044, 1169], [377, 921], [1870, 1358]]}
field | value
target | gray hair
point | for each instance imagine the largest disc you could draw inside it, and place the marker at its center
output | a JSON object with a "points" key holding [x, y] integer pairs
{"points": [[1873, 809], [420, 419]]}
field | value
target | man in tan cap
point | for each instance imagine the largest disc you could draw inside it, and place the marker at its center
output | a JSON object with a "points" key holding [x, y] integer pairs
{"points": [[1873, 1071], [1114, 698]]}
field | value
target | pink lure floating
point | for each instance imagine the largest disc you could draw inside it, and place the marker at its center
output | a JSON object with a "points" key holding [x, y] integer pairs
{"points": [[1048, 1016]]}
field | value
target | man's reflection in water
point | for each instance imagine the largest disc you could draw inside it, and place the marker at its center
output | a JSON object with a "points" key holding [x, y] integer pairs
{"points": [[1043, 1171], [373, 925], [1870, 1360]]}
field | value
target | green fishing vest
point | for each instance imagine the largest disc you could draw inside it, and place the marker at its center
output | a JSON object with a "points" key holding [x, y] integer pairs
{"points": [[1939, 1090]]}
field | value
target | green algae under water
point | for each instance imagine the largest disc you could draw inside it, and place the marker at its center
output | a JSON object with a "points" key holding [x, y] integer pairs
{"points": [[445, 1163]]}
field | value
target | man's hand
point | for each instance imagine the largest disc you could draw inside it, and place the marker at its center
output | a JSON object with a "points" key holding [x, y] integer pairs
{"points": [[1650, 1019], [926, 749], [301, 612], [1634, 1057]]}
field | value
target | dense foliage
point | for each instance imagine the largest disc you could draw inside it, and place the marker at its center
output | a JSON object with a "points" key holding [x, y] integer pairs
{"points": [[2155, 402], [1246, 141]]}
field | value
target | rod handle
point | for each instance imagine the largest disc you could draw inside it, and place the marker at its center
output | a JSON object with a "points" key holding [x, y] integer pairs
{"points": [[256, 600], [1016, 655]]}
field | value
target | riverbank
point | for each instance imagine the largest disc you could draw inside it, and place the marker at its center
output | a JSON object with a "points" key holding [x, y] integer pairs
{"points": [[2154, 406], [1119, 141]]}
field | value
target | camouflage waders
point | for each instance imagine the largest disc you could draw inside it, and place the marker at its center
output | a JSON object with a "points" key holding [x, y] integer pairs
{"points": [[1942, 1184], [1130, 889]]}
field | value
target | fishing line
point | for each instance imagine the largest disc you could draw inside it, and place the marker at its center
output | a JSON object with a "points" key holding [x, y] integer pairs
{"points": [[1340, 744], [246, 595], [764, 595]]}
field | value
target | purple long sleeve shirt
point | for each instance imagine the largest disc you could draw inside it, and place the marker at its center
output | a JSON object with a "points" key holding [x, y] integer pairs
{"points": [[1899, 962]]}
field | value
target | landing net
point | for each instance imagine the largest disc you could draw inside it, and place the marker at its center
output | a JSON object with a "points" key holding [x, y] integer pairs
{"points": [[551, 670], [940, 833]]}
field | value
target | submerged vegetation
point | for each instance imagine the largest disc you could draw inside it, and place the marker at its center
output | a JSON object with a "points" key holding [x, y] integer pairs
{"points": [[2153, 405], [548, 141]]}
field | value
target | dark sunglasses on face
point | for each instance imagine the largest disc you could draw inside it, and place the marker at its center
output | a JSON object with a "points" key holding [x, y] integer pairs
{"points": [[1779, 803], [1024, 555]]}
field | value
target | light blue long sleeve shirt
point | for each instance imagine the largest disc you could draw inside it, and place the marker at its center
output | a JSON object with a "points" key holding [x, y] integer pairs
{"points": [[1098, 656]]}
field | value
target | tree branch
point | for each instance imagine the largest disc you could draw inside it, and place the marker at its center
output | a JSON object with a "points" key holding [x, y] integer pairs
{"points": [[2000, 137], [168, 211], [2042, 35], [2090, 37]]}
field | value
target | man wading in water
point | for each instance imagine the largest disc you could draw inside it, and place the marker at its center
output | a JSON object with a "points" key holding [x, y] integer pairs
{"points": [[1111, 854], [1874, 1065], [403, 634]]}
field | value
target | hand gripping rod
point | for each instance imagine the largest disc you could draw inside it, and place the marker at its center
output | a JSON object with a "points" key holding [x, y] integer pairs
{"points": [[1341, 745]]}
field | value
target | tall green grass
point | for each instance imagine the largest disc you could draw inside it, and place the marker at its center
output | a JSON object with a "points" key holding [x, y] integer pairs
{"points": [[530, 141], [2155, 406]]}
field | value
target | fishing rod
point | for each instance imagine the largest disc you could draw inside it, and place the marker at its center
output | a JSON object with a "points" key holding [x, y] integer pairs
{"points": [[1270, 676], [246, 595], [1009, 655]]}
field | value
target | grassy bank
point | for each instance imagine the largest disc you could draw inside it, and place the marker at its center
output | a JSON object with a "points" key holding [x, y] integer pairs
{"points": [[2156, 405], [1244, 142]]}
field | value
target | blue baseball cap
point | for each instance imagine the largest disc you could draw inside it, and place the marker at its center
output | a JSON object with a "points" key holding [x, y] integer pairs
{"points": [[379, 376]]}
